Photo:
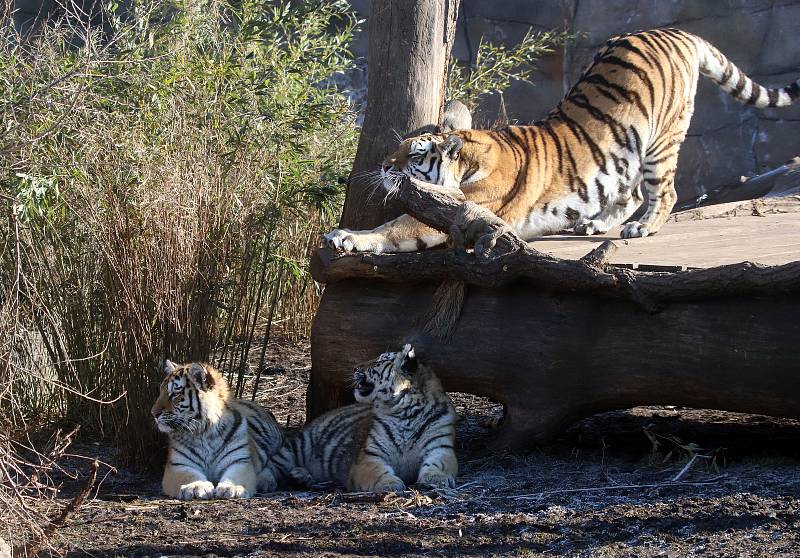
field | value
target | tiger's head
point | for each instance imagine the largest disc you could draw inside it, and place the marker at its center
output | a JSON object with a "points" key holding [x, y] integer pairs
{"points": [[387, 379], [191, 397], [435, 158]]}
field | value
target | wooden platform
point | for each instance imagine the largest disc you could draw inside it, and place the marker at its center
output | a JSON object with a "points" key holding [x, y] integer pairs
{"points": [[767, 232]]}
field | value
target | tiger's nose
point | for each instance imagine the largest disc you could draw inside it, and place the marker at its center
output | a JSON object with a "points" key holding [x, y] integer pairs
{"points": [[155, 412], [387, 168]]}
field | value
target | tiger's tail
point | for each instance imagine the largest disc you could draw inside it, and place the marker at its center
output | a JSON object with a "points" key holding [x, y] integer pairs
{"points": [[733, 81]]}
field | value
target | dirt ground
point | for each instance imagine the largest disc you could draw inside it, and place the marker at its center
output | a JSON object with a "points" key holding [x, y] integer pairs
{"points": [[640, 482]]}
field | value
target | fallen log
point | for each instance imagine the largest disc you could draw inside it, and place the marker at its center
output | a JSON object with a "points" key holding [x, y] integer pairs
{"points": [[513, 260], [556, 340], [781, 180]]}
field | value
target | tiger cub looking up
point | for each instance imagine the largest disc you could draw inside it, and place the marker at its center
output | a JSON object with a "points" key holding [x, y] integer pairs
{"points": [[218, 446], [619, 127], [400, 431]]}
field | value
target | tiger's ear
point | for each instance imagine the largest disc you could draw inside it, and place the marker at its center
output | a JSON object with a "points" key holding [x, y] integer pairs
{"points": [[451, 146], [169, 367], [409, 362], [201, 377]]}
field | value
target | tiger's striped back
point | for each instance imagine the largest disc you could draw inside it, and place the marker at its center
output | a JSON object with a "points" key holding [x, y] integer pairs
{"points": [[218, 446], [401, 431], [324, 450], [608, 147]]}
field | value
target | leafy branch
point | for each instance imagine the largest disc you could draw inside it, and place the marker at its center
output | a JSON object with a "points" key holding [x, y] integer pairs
{"points": [[496, 66]]}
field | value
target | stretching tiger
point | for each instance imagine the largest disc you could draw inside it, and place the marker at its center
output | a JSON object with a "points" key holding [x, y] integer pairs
{"points": [[219, 447], [621, 125], [401, 430]]}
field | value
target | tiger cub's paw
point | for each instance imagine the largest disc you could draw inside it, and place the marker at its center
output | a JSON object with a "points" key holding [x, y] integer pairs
{"points": [[436, 479], [590, 227], [301, 476], [389, 483], [201, 490], [228, 490], [634, 229]]}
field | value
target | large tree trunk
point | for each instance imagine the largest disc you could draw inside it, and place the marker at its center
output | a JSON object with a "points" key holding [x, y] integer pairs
{"points": [[409, 49]]}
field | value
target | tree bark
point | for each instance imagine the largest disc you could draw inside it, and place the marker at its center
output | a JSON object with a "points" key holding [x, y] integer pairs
{"points": [[409, 50], [553, 358], [513, 260], [778, 181]]}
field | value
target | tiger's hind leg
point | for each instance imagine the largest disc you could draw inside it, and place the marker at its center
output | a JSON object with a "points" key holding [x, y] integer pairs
{"points": [[661, 198], [301, 476], [658, 178], [266, 480], [613, 215]]}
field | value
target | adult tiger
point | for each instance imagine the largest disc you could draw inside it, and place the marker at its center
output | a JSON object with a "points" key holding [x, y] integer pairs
{"points": [[621, 125], [400, 431], [218, 446]]}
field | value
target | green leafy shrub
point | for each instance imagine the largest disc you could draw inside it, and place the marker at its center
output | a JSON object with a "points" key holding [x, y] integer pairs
{"points": [[163, 184], [496, 66]]}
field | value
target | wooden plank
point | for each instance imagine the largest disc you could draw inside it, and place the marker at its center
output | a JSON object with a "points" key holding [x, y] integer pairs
{"points": [[768, 239]]}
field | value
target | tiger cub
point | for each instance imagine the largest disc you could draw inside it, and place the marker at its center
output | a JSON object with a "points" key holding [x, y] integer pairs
{"points": [[621, 126], [400, 431], [219, 447]]}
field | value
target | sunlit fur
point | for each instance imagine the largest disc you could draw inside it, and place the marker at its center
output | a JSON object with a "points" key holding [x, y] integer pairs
{"points": [[610, 145], [218, 446], [400, 431]]}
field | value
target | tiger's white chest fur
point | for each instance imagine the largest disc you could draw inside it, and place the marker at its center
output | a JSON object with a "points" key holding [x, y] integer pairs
{"points": [[407, 437], [405, 453], [216, 449]]}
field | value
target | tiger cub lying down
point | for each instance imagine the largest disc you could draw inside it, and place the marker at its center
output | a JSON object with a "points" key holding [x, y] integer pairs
{"points": [[619, 127], [219, 447], [400, 431]]}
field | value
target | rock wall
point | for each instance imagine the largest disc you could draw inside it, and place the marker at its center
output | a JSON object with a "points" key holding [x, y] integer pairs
{"points": [[726, 139]]}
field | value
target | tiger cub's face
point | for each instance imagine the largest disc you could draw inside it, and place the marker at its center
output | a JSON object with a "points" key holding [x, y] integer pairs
{"points": [[186, 395], [430, 157], [387, 377]]}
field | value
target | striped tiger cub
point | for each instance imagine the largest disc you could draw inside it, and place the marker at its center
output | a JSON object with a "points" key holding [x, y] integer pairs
{"points": [[400, 431], [219, 447], [619, 127]]}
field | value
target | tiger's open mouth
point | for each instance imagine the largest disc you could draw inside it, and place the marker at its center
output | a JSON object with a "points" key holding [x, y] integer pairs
{"points": [[361, 385]]}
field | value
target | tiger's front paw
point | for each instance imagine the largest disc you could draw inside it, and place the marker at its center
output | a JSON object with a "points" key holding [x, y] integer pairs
{"points": [[200, 490], [352, 241], [590, 227], [228, 490], [388, 483], [635, 229], [436, 479]]}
